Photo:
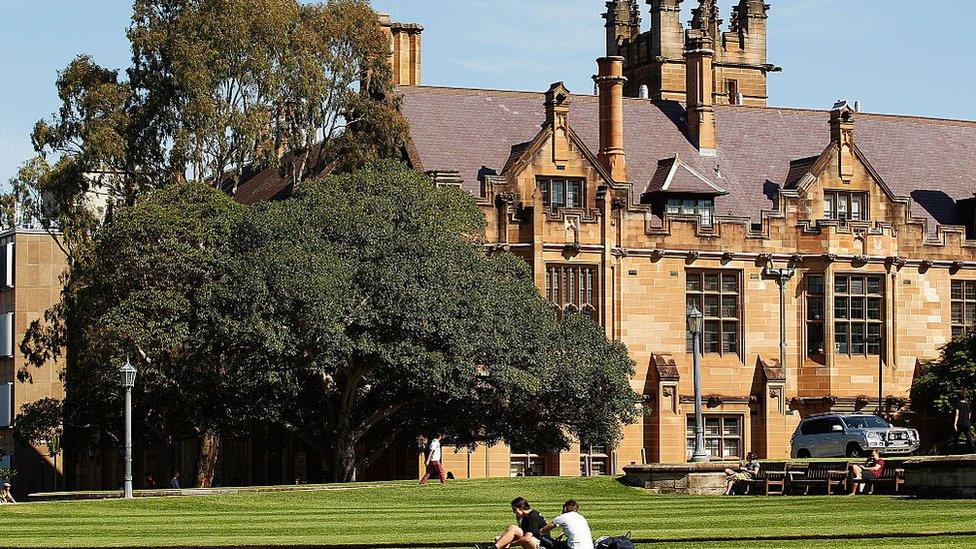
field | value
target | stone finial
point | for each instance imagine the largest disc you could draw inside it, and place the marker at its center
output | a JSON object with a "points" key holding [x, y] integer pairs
{"points": [[706, 18], [623, 23], [557, 117], [842, 135]]}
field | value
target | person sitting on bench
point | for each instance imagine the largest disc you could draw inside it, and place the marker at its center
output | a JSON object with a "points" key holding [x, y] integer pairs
{"points": [[871, 470], [746, 471], [527, 534]]}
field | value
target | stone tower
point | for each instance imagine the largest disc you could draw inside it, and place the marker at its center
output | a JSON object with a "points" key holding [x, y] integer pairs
{"points": [[623, 23], [656, 58]]}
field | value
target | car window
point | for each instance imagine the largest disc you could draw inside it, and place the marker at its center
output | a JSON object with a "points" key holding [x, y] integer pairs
{"points": [[832, 422], [866, 422], [814, 427]]}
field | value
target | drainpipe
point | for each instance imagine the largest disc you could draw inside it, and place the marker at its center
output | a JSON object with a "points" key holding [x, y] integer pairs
{"points": [[782, 276]]}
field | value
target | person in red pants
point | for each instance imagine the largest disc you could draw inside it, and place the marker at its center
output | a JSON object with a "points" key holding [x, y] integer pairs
{"points": [[434, 466]]}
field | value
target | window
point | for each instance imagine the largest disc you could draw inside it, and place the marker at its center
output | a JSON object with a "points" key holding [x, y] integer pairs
{"points": [[573, 289], [963, 306], [858, 314], [815, 315], [845, 206], [716, 295], [561, 193], [732, 88], [702, 207], [525, 463], [594, 461], [723, 436], [815, 427]]}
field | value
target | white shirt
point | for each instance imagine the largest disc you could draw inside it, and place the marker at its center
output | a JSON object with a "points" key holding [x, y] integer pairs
{"points": [[577, 530], [435, 450]]}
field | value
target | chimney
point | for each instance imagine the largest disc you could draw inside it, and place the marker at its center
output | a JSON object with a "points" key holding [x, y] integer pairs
{"points": [[701, 111], [842, 135], [404, 50], [610, 80]]}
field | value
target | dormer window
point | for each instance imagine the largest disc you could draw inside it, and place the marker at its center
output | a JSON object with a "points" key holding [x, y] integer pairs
{"points": [[561, 193], [704, 208], [845, 206]]}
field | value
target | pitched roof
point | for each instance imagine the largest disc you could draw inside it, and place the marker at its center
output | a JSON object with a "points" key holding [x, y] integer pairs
{"points": [[258, 184], [474, 131], [674, 176]]}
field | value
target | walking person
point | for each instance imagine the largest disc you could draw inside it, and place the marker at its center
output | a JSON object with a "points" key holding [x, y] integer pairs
{"points": [[433, 464], [962, 420], [174, 481]]}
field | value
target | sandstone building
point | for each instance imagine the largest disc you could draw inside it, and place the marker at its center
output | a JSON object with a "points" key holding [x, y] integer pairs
{"points": [[632, 210], [819, 244]]}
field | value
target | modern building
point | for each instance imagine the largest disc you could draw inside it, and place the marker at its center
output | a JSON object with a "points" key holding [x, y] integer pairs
{"points": [[830, 251], [31, 269]]}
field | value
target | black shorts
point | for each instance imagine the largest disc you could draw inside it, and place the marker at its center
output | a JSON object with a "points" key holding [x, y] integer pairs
{"points": [[869, 475]]}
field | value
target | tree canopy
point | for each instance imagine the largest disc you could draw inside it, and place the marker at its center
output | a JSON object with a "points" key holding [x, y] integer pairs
{"points": [[362, 312], [938, 387]]}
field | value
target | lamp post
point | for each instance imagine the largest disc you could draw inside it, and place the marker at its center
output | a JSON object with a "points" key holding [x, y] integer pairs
{"points": [[694, 326], [782, 276], [879, 340], [128, 381]]}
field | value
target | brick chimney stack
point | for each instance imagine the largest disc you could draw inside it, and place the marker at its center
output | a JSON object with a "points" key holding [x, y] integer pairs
{"points": [[610, 80], [699, 55], [404, 50]]}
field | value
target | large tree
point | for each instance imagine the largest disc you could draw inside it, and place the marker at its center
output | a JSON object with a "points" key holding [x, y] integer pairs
{"points": [[423, 331], [361, 312], [230, 84], [216, 88], [156, 290]]}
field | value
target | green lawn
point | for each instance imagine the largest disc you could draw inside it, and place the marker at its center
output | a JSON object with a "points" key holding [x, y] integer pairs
{"points": [[473, 511]]}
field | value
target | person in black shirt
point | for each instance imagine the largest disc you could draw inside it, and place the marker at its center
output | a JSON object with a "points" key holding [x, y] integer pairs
{"points": [[527, 534], [961, 424]]}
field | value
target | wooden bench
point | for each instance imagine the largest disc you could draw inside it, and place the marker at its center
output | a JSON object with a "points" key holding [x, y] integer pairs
{"points": [[890, 476], [771, 479], [832, 476]]}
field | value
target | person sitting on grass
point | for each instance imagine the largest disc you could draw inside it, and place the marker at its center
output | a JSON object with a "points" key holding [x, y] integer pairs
{"points": [[746, 471], [526, 534], [575, 527], [871, 470]]}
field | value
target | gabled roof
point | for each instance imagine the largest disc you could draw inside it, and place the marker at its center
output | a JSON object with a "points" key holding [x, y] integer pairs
{"points": [[675, 177], [473, 131]]}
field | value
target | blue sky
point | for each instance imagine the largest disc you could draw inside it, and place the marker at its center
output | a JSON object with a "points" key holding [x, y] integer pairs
{"points": [[895, 56]]}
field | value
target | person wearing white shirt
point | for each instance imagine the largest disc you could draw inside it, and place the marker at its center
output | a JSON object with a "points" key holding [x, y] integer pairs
{"points": [[434, 466], [575, 527]]}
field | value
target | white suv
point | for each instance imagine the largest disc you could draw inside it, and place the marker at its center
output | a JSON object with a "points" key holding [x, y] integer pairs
{"points": [[850, 435]]}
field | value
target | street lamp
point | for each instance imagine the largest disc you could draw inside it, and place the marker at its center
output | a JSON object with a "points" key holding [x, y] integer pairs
{"points": [[880, 341], [695, 327], [128, 381]]}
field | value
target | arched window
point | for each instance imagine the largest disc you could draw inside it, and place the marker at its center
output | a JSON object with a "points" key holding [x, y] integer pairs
{"points": [[573, 289]]}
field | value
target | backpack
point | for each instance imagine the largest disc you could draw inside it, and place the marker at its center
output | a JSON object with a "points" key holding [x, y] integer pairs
{"points": [[619, 542]]}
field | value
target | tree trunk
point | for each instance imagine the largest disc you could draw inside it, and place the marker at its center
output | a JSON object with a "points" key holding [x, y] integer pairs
{"points": [[343, 466], [207, 460]]}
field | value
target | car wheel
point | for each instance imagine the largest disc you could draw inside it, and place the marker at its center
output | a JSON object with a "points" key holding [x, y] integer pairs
{"points": [[854, 450], [803, 454]]}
